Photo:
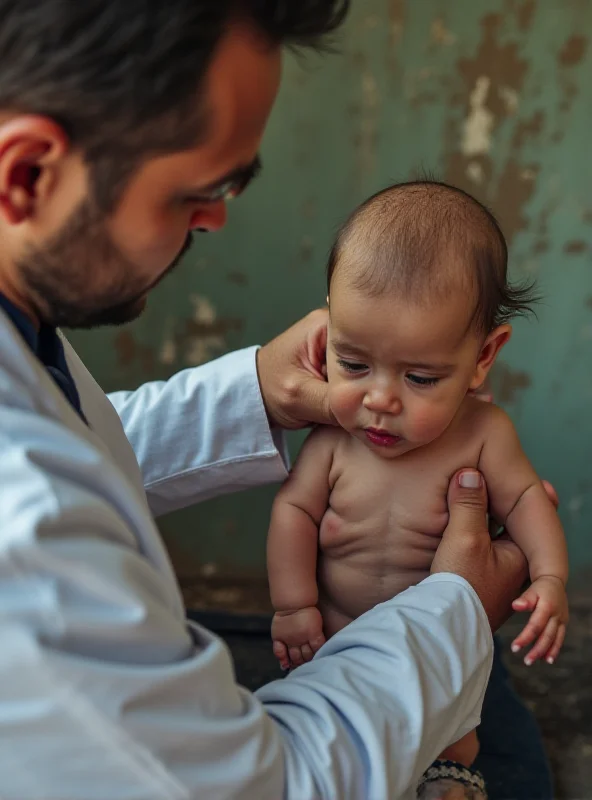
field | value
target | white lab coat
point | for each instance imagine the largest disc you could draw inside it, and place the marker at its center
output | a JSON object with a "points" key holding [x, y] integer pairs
{"points": [[107, 693]]}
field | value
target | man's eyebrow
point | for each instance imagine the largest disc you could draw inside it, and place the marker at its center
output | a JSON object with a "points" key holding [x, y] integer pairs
{"points": [[246, 173]]}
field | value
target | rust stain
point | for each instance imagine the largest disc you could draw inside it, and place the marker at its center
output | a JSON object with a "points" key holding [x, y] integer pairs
{"points": [[589, 302], [129, 352], [306, 249], [573, 51], [525, 14], [510, 383], [500, 62], [309, 208], [126, 348], [541, 246], [238, 278], [588, 217], [528, 129], [575, 247], [512, 195]]}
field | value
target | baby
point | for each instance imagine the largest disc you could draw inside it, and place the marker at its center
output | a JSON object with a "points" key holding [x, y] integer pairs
{"points": [[419, 307]]}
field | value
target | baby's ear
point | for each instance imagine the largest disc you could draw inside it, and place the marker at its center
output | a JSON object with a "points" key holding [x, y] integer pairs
{"points": [[489, 352]]}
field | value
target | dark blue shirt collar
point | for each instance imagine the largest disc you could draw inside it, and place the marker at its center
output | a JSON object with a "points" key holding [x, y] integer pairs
{"points": [[47, 346]]}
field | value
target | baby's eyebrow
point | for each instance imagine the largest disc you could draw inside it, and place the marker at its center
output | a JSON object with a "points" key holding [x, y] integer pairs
{"points": [[340, 344]]}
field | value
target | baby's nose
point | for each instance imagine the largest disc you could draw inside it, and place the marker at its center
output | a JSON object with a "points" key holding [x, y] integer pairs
{"points": [[384, 400]]}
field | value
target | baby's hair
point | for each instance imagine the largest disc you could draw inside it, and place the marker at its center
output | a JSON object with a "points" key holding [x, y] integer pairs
{"points": [[424, 239]]}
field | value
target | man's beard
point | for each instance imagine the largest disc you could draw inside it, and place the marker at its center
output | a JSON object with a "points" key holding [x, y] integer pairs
{"points": [[59, 277]]}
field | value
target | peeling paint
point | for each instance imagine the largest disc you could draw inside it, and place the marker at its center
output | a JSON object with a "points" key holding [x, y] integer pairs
{"points": [[511, 99], [476, 136], [439, 33], [475, 172], [203, 337]]}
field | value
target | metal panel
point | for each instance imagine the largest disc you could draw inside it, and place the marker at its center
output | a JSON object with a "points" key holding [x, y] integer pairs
{"points": [[492, 95]]}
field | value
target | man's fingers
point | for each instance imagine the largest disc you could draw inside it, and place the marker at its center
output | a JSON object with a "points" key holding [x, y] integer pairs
{"points": [[551, 493], [315, 396], [467, 502], [316, 356], [467, 529]]}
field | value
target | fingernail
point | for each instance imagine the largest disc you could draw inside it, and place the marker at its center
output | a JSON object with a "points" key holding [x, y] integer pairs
{"points": [[528, 661], [550, 660], [515, 648], [469, 480]]}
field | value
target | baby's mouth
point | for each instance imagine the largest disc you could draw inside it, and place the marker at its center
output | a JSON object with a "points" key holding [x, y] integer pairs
{"points": [[381, 437]]}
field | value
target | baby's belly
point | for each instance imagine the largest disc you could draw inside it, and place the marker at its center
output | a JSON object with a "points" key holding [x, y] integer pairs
{"points": [[348, 587]]}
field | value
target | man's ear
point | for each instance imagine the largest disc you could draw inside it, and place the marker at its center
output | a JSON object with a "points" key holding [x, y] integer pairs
{"points": [[489, 352], [31, 148]]}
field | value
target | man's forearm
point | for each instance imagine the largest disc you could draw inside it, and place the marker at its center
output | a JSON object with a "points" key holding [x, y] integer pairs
{"points": [[385, 695], [202, 433]]}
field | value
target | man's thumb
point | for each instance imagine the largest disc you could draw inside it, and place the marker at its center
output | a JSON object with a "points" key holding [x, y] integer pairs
{"points": [[467, 503], [315, 396]]}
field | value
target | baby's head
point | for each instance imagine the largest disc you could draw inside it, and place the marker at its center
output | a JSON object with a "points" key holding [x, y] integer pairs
{"points": [[419, 307]]}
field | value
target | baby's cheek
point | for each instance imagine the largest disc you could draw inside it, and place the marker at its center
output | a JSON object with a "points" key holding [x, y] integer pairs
{"points": [[345, 402], [428, 422]]}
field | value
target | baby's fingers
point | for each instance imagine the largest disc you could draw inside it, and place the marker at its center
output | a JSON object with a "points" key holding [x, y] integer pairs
{"points": [[544, 642], [296, 657], [527, 601], [280, 651], [534, 627], [557, 644]]}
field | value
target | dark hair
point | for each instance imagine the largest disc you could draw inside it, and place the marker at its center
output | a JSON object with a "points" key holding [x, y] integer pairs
{"points": [[122, 77], [423, 237]]}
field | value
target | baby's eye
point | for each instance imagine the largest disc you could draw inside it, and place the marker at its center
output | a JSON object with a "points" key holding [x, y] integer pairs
{"points": [[422, 380], [351, 366]]}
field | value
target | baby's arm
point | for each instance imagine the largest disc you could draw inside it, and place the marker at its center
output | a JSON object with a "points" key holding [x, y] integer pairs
{"points": [[292, 546], [518, 500]]}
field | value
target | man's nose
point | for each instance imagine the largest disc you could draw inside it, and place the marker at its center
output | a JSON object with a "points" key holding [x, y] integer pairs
{"points": [[209, 218]]}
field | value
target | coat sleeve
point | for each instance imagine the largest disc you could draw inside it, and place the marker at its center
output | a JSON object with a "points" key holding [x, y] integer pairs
{"points": [[106, 692], [202, 433]]}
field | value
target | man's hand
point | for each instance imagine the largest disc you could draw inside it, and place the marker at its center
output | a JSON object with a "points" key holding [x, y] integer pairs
{"points": [[496, 569], [291, 374]]}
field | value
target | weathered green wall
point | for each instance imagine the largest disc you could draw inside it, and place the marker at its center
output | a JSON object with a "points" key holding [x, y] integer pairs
{"points": [[493, 95]]}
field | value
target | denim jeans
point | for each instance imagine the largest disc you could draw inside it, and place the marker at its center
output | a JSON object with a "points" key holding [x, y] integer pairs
{"points": [[512, 757]]}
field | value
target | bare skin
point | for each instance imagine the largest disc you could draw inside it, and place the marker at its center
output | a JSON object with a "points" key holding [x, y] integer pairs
{"points": [[362, 514]]}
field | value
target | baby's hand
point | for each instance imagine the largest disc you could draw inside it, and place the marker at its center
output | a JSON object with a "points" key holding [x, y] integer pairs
{"points": [[547, 599], [297, 635]]}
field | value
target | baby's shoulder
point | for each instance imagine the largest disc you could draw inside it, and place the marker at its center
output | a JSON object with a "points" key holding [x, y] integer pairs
{"points": [[325, 437], [486, 419]]}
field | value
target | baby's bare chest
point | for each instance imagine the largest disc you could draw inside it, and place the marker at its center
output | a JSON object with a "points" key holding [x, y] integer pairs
{"points": [[393, 512]]}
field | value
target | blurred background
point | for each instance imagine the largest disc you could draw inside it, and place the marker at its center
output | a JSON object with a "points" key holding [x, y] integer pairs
{"points": [[494, 96]]}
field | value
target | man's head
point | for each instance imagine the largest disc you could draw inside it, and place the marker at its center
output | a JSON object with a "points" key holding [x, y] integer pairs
{"points": [[419, 305], [123, 127]]}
